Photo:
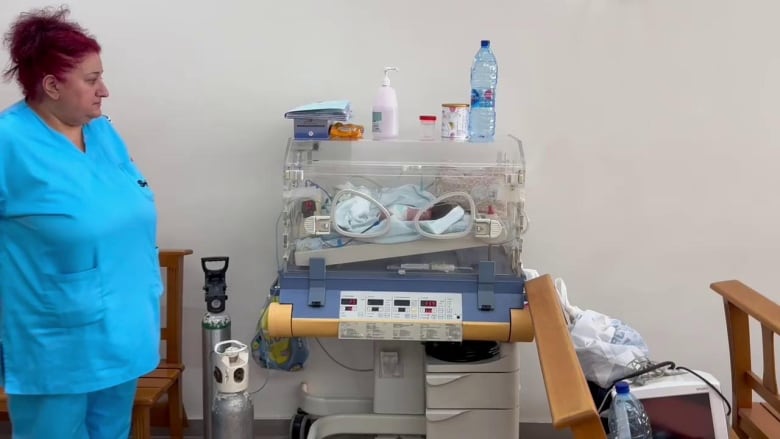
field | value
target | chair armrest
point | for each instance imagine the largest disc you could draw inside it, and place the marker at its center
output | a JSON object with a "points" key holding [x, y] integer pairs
{"points": [[750, 302], [172, 257], [567, 391], [175, 252]]}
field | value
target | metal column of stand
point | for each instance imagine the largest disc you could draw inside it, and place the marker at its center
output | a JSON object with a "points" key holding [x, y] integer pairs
{"points": [[215, 328], [399, 398]]}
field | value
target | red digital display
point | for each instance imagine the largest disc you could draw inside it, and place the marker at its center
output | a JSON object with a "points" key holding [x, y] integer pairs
{"points": [[349, 301], [427, 303]]}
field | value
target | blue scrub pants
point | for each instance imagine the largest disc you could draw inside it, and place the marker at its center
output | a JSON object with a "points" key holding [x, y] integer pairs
{"points": [[104, 414]]}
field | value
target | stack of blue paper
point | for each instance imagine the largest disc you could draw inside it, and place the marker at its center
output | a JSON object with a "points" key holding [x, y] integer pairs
{"points": [[324, 110]]}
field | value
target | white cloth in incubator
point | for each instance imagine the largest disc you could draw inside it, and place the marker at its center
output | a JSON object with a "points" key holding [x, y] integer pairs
{"points": [[311, 243], [361, 216]]}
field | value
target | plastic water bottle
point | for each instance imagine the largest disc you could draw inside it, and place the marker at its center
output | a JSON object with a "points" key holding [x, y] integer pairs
{"points": [[628, 419], [484, 79]]}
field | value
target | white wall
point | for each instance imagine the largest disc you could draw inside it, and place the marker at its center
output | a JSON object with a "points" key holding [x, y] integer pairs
{"points": [[650, 130]]}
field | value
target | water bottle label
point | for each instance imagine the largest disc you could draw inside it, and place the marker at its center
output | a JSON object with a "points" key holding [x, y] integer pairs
{"points": [[482, 98]]}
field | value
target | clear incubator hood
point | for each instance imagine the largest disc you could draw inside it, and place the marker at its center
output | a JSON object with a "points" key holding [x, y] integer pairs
{"points": [[403, 206]]}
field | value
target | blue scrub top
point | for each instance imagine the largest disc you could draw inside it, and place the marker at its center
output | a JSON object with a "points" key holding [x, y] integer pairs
{"points": [[80, 280]]}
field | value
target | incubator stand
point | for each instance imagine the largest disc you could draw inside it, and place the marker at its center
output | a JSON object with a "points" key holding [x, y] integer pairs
{"points": [[403, 242]]}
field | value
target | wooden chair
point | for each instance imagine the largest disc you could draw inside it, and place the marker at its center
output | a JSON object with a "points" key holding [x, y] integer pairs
{"points": [[158, 400], [751, 419], [571, 404]]}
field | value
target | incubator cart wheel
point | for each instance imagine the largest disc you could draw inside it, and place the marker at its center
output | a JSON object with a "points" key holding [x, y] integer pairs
{"points": [[307, 421], [295, 424], [300, 425]]}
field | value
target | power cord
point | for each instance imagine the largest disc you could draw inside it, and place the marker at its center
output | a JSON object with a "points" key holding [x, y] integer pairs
{"points": [[659, 366], [728, 406], [353, 369]]}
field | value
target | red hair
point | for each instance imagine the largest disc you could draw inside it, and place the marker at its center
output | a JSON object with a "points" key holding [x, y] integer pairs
{"points": [[43, 42]]}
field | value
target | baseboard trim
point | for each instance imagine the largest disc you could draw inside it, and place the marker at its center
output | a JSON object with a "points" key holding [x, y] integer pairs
{"points": [[273, 428], [280, 428]]}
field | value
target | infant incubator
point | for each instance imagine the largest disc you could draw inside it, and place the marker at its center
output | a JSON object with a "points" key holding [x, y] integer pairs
{"points": [[401, 206], [401, 239], [403, 242]]}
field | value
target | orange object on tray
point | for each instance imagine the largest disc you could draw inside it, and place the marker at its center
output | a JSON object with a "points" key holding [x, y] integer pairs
{"points": [[346, 131]]}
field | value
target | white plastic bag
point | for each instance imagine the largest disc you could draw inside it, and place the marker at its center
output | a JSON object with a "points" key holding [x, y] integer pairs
{"points": [[607, 348]]}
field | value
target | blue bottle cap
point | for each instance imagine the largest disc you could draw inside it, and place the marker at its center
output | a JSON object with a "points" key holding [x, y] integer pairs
{"points": [[621, 387], [485, 43]]}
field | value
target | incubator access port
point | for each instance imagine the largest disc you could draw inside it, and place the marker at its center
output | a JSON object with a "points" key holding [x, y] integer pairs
{"points": [[308, 208]]}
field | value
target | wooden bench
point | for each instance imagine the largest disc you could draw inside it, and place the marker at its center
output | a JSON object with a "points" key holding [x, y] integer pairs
{"points": [[741, 303], [158, 400]]}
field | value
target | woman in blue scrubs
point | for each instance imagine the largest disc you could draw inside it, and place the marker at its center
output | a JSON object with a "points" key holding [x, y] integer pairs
{"points": [[80, 281]]}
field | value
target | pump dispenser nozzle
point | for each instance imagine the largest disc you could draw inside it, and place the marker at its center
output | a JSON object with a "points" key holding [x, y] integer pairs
{"points": [[386, 81]]}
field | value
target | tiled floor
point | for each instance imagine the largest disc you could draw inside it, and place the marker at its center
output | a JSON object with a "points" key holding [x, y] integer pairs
{"points": [[527, 431], [257, 437]]}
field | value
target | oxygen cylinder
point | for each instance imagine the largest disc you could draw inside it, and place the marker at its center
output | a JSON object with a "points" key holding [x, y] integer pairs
{"points": [[232, 411], [215, 329]]}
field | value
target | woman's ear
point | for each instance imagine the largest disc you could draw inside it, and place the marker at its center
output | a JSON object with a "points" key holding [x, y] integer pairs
{"points": [[50, 86]]}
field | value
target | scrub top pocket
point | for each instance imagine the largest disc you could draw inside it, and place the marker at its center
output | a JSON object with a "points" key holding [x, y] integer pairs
{"points": [[76, 299], [137, 178]]}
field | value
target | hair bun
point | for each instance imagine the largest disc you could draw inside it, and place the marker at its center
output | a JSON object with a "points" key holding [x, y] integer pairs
{"points": [[44, 41]]}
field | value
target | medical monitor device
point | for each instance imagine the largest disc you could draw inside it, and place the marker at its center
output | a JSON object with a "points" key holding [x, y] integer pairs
{"points": [[683, 407]]}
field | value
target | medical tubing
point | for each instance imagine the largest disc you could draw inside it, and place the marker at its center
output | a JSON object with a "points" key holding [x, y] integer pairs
{"points": [[359, 235], [353, 369], [262, 386], [312, 183], [279, 262], [473, 210]]}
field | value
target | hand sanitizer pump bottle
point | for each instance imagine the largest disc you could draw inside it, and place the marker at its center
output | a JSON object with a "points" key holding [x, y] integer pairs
{"points": [[384, 112]]}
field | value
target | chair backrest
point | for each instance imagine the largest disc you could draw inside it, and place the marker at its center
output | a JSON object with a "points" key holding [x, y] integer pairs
{"points": [[742, 304], [570, 400], [172, 264]]}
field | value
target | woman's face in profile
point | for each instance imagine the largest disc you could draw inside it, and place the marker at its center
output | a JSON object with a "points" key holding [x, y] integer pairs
{"points": [[81, 90]]}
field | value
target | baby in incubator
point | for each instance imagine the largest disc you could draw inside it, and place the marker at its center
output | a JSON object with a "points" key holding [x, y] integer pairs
{"points": [[392, 215]]}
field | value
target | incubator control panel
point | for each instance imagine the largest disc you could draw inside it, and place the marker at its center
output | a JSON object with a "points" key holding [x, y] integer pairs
{"points": [[377, 315]]}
